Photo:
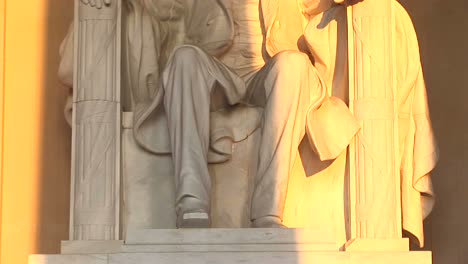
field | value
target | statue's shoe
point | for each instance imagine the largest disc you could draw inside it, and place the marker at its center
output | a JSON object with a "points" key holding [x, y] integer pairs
{"points": [[193, 219], [268, 222]]}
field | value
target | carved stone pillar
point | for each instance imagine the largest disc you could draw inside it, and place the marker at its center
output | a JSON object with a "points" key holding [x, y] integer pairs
{"points": [[95, 190], [374, 183]]}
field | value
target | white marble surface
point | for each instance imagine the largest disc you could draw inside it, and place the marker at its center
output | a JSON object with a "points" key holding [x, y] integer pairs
{"points": [[382, 245], [149, 191], [227, 236], [228, 240], [91, 246], [95, 193], [69, 259], [235, 246], [273, 248], [274, 258], [421, 257]]}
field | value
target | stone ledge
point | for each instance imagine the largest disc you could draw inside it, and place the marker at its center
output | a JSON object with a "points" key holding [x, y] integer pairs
{"points": [[228, 240], [91, 247], [233, 246], [419, 257], [215, 236], [208, 240]]}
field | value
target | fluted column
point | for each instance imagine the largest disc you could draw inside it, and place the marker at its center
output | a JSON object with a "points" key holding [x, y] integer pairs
{"points": [[95, 186], [374, 183]]}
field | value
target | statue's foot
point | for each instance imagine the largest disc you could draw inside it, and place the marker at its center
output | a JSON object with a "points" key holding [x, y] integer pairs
{"points": [[268, 222], [193, 219]]}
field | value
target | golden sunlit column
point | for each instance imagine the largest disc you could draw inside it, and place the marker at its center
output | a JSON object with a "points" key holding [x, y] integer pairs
{"points": [[2, 87], [374, 184], [95, 197], [23, 76]]}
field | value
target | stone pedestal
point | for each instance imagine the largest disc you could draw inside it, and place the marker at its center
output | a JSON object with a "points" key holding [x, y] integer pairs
{"points": [[231, 246]]}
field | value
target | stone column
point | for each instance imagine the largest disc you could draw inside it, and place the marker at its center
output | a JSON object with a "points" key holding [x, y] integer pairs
{"points": [[374, 182], [95, 190]]}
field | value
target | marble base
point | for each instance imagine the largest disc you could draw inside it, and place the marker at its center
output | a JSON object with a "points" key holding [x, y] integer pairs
{"points": [[240, 257], [197, 246]]}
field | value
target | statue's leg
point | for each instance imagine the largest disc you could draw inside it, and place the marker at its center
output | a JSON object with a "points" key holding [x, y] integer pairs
{"points": [[188, 81], [291, 88]]}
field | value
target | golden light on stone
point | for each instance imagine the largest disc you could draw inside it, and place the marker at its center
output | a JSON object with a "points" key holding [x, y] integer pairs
{"points": [[203, 118]]}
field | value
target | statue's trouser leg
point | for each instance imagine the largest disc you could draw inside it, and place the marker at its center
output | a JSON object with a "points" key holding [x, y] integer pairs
{"points": [[188, 81], [292, 87]]}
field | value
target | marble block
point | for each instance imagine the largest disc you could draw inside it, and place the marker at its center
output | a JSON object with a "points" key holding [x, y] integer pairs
{"points": [[303, 257], [69, 259], [218, 245], [228, 240], [274, 258]]}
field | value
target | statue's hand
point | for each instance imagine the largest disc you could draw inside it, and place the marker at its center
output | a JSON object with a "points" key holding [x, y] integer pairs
{"points": [[96, 3]]}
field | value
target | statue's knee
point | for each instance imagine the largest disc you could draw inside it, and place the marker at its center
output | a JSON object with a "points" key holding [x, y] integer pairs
{"points": [[292, 62], [289, 69]]}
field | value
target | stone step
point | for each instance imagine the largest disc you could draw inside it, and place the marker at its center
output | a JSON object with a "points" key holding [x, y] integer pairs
{"points": [[240, 258], [227, 236], [233, 246], [209, 240]]}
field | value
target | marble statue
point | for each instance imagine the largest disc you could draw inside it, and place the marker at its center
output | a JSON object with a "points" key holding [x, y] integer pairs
{"points": [[198, 81], [201, 75]]}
